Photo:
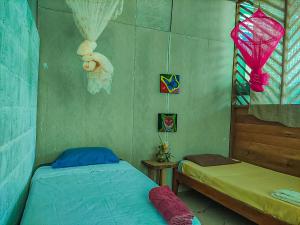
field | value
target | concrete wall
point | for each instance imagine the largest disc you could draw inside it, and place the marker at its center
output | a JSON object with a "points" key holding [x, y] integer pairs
{"points": [[18, 94], [137, 44]]}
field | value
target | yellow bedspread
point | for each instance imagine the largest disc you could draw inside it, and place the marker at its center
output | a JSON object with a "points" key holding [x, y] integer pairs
{"points": [[250, 184]]}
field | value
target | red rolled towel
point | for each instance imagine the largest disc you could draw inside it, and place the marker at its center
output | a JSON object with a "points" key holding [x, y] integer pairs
{"points": [[170, 206]]}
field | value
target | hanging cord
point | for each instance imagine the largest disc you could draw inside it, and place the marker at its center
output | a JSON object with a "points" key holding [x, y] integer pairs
{"points": [[168, 69]]}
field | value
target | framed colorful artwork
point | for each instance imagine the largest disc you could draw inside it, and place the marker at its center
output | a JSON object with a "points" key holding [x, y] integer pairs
{"points": [[167, 122], [170, 83]]}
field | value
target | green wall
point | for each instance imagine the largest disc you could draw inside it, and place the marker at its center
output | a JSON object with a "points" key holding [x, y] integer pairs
{"points": [[19, 44], [137, 44]]}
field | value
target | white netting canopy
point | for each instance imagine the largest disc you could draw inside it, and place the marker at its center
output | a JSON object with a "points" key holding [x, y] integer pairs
{"points": [[91, 17]]}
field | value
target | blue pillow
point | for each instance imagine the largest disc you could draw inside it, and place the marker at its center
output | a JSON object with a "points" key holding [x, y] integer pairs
{"points": [[85, 156]]}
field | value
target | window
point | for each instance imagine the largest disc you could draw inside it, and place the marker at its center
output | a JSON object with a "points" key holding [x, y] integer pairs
{"points": [[284, 64]]}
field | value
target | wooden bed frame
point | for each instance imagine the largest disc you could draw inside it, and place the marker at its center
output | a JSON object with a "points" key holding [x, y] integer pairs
{"points": [[278, 150], [235, 205]]}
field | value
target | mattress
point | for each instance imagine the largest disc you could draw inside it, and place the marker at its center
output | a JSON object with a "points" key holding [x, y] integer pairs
{"points": [[250, 184], [107, 194]]}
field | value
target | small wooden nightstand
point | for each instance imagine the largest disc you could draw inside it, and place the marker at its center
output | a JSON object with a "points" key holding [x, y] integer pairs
{"points": [[159, 168]]}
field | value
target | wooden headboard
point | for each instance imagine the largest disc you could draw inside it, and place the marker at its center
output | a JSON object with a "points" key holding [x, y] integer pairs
{"points": [[266, 144]]}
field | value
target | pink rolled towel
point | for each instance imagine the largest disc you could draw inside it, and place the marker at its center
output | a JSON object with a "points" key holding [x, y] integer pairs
{"points": [[170, 206]]}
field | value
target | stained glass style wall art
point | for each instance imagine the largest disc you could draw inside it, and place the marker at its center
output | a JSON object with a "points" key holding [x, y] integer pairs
{"points": [[167, 122], [170, 83]]}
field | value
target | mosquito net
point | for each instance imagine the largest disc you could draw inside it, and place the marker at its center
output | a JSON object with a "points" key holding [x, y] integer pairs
{"points": [[256, 38], [91, 17]]}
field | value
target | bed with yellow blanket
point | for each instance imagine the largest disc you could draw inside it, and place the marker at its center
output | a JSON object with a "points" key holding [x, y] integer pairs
{"points": [[243, 187]]}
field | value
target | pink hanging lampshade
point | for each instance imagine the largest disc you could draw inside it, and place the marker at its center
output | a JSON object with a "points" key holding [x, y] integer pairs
{"points": [[256, 38]]}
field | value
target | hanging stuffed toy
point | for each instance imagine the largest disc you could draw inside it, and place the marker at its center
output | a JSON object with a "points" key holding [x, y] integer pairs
{"points": [[256, 38], [91, 17]]}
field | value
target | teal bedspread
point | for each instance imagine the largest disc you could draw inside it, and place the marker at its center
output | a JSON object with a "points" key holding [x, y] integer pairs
{"points": [[109, 194]]}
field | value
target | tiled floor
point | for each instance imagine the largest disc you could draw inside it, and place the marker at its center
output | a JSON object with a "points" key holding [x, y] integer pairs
{"points": [[210, 212]]}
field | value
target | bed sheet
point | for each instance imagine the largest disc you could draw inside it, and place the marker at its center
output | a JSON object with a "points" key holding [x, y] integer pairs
{"points": [[107, 194], [250, 184]]}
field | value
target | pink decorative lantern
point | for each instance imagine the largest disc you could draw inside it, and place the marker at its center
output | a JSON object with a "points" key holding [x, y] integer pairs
{"points": [[257, 37]]}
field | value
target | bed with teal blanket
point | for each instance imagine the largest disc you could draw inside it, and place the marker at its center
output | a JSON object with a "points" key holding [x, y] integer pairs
{"points": [[104, 194]]}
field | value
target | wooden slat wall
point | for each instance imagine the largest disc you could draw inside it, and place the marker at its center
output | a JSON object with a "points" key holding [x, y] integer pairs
{"points": [[267, 144]]}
